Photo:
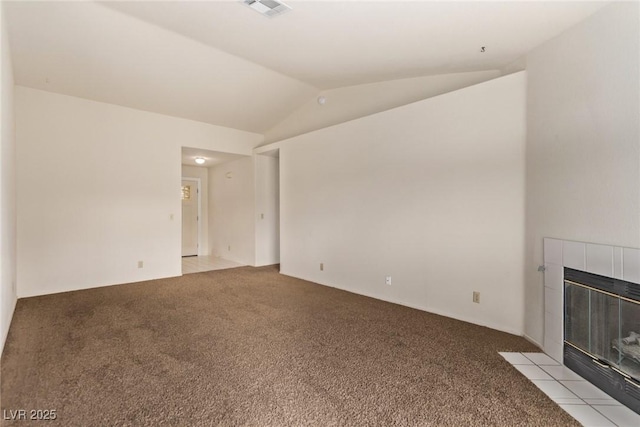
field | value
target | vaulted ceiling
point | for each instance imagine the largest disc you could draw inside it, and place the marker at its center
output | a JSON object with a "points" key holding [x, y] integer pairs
{"points": [[222, 63]]}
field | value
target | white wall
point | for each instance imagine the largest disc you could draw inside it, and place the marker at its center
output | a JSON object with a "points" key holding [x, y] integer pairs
{"points": [[97, 185], [231, 211], [7, 188], [203, 174], [583, 142], [267, 212], [431, 194], [352, 102]]}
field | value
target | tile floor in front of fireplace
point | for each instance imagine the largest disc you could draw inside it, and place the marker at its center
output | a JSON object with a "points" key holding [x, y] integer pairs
{"points": [[581, 399]]}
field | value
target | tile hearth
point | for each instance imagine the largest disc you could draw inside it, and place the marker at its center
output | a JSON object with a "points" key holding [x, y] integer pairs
{"points": [[589, 405]]}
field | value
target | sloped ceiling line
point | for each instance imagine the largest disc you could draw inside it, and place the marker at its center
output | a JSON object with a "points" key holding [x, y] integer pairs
{"points": [[219, 62]]}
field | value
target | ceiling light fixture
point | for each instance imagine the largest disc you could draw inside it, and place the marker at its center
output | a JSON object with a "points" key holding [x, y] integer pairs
{"points": [[200, 160], [268, 8], [322, 100]]}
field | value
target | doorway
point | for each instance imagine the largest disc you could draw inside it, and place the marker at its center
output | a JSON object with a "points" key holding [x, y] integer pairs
{"points": [[190, 216], [267, 169]]}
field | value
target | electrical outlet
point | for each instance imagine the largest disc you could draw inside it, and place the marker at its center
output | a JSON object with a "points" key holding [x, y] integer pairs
{"points": [[140, 264], [261, 216], [322, 266], [387, 280], [229, 247], [476, 297]]}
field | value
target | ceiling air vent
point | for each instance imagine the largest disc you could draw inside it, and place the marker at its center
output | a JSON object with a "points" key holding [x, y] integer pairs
{"points": [[268, 8]]}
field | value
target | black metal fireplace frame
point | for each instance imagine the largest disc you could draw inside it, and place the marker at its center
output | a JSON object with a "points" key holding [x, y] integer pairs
{"points": [[608, 378]]}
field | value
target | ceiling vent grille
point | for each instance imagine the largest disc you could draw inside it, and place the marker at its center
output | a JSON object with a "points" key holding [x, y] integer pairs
{"points": [[268, 8]]}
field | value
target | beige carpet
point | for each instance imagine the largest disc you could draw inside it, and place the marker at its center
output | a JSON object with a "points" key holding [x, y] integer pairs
{"points": [[248, 346]]}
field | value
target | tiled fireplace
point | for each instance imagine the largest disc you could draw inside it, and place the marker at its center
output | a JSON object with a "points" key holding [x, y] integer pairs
{"points": [[592, 314]]}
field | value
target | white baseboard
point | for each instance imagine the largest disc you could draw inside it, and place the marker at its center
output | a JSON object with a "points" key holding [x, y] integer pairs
{"points": [[532, 341], [411, 305]]}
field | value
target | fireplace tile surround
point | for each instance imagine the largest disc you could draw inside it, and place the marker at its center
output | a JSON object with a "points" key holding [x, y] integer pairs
{"points": [[605, 260]]}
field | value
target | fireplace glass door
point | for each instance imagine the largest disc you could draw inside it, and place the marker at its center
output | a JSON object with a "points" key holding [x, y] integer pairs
{"points": [[628, 345], [605, 326]]}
